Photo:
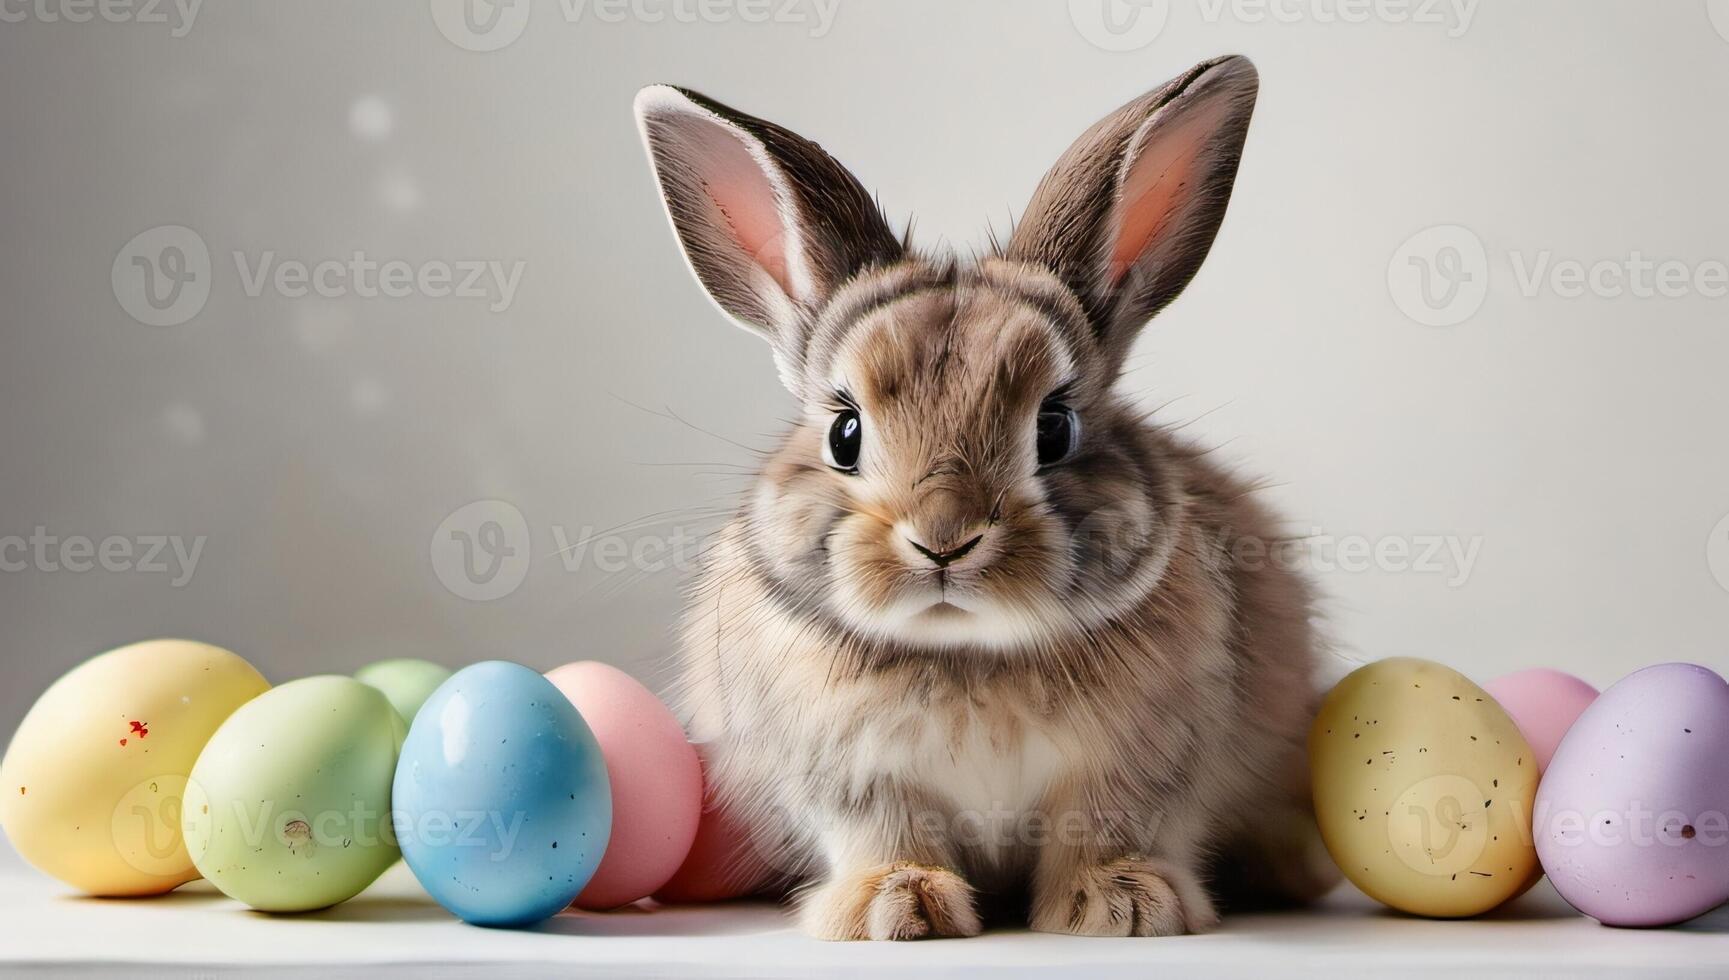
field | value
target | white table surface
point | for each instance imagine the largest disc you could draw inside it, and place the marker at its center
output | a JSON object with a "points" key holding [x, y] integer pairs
{"points": [[395, 930]]}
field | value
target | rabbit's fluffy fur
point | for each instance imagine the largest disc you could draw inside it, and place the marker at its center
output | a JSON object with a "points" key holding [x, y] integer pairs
{"points": [[958, 678]]}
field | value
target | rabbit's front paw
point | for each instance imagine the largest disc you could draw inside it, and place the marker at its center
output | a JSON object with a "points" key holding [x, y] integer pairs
{"points": [[895, 901], [1124, 897]]}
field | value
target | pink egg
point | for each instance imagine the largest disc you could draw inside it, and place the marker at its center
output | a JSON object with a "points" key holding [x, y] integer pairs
{"points": [[722, 863], [1544, 704], [656, 782]]}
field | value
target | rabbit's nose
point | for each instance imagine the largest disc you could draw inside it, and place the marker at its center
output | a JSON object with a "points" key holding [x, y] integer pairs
{"points": [[943, 559], [946, 525]]}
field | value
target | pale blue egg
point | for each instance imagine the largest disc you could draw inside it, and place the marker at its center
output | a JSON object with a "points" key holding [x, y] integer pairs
{"points": [[501, 801]]}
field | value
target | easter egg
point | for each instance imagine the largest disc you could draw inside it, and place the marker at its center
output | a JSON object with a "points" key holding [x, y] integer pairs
{"points": [[91, 786], [288, 808], [655, 778], [723, 862], [1544, 704], [1423, 789], [1633, 815], [502, 804], [407, 682]]}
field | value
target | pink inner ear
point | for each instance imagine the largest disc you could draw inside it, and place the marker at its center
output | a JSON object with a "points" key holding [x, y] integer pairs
{"points": [[1159, 183], [735, 182]]}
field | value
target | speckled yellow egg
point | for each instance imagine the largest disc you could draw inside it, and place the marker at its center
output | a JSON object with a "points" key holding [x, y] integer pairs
{"points": [[1424, 789], [90, 790]]}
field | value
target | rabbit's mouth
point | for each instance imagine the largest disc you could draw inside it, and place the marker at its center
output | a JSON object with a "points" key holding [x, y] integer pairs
{"points": [[942, 623], [947, 617], [944, 609]]}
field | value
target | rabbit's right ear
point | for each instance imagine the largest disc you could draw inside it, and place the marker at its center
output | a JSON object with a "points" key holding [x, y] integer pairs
{"points": [[770, 223], [1130, 210]]}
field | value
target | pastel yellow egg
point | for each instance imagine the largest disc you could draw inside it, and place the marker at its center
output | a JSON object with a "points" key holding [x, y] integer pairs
{"points": [[90, 789], [1424, 789]]}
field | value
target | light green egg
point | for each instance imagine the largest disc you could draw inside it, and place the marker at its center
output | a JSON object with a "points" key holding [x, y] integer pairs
{"points": [[407, 682], [288, 806]]}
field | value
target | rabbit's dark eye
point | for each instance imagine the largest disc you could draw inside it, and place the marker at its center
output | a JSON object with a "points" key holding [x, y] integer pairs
{"points": [[1059, 433], [845, 438]]}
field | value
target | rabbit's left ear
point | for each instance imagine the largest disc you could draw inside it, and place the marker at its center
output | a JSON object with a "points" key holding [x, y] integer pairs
{"points": [[770, 223], [1128, 213]]}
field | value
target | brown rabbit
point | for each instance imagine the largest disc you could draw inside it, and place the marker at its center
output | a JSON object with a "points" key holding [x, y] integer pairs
{"points": [[981, 631]]}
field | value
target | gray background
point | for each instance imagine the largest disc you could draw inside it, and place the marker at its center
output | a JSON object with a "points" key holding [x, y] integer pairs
{"points": [[319, 443]]}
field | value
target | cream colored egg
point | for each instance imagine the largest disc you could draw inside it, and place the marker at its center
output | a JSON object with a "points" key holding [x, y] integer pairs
{"points": [[1424, 789], [90, 789]]}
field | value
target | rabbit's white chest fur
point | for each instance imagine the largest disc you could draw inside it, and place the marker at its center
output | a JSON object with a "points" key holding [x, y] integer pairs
{"points": [[980, 772], [968, 760]]}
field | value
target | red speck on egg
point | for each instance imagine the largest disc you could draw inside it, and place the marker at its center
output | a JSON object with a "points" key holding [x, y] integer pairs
{"points": [[139, 730], [122, 741]]}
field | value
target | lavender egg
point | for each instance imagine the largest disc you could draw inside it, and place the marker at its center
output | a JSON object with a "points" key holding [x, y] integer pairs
{"points": [[1632, 817]]}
